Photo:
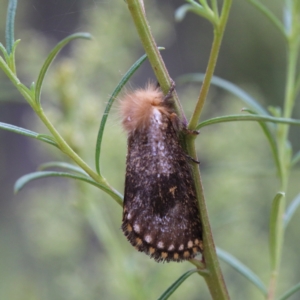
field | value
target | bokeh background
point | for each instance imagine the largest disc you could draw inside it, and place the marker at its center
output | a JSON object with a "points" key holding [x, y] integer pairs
{"points": [[61, 239]]}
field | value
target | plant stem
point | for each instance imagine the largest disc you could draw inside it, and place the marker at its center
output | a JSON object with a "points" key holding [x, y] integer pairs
{"points": [[272, 18], [136, 8], [283, 132], [214, 278], [218, 35], [65, 148]]}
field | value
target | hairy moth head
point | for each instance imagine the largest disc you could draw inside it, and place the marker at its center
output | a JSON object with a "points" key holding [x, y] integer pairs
{"points": [[137, 107]]}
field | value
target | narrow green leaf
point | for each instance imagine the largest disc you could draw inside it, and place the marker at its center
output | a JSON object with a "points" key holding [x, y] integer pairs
{"points": [[228, 86], [176, 284], [51, 57], [181, 11], [196, 8], [290, 292], [275, 111], [10, 22], [32, 87], [287, 16], [258, 118], [276, 229], [110, 102], [62, 165], [242, 269], [21, 182], [29, 133], [28, 93], [11, 59], [18, 130], [291, 210], [206, 6], [15, 44], [48, 139], [215, 7], [264, 10], [4, 52]]}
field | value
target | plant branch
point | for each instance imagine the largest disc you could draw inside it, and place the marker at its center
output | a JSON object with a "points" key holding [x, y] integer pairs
{"points": [[136, 8], [65, 148], [218, 35], [214, 278], [276, 22], [284, 147], [213, 275]]}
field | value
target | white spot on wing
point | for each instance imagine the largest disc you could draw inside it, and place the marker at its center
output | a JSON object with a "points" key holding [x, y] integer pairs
{"points": [[171, 248], [136, 228], [190, 244], [160, 245], [148, 238]]}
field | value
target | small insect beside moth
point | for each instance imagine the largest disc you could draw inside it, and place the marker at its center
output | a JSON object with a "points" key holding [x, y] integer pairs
{"points": [[160, 213]]}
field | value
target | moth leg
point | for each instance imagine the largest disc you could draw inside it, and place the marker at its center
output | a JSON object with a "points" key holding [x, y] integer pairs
{"points": [[188, 131], [171, 90], [193, 159], [177, 124]]}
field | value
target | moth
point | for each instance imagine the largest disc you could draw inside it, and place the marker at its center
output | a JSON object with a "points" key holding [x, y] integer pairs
{"points": [[160, 213]]}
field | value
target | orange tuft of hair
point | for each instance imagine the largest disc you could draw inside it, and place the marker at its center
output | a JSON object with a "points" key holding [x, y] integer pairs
{"points": [[137, 107]]}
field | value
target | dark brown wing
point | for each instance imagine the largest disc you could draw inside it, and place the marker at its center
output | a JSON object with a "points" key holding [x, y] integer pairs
{"points": [[161, 215]]}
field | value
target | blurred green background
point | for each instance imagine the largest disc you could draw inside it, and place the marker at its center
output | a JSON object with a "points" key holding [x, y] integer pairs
{"points": [[61, 239]]}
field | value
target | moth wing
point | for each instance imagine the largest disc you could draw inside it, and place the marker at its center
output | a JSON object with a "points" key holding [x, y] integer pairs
{"points": [[161, 215]]}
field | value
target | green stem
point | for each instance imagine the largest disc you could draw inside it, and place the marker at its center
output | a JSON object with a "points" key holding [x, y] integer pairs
{"points": [[65, 148], [218, 35], [214, 278], [264, 10], [213, 275], [283, 132], [136, 8]]}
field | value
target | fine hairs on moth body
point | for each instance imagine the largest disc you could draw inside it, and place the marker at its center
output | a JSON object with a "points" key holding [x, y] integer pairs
{"points": [[160, 213]]}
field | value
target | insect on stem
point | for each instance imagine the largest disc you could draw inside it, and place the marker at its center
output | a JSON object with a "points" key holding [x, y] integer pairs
{"points": [[160, 214]]}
